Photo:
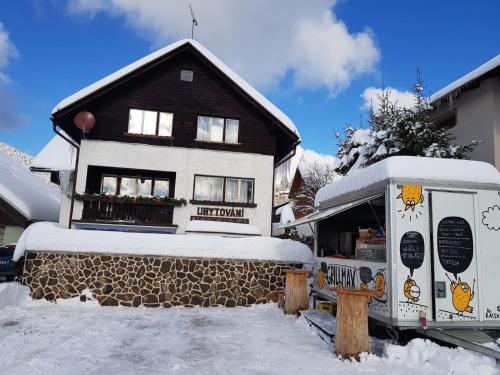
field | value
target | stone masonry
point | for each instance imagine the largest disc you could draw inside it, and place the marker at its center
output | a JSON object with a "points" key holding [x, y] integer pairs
{"points": [[154, 281]]}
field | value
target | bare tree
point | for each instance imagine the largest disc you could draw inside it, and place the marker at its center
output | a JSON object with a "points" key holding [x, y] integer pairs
{"points": [[315, 176]]}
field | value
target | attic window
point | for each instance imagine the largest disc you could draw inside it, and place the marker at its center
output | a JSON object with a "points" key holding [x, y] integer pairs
{"points": [[186, 75]]}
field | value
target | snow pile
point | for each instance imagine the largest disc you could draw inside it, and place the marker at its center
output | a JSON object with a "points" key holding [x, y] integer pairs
{"points": [[244, 85], [427, 356], [57, 155], [13, 294], [414, 170], [286, 215], [206, 226], [51, 237], [20, 188]]}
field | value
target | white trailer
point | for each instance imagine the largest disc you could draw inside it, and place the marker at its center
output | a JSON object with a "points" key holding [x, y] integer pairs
{"points": [[441, 222]]}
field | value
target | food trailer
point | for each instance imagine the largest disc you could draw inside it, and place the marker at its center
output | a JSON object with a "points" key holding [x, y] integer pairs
{"points": [[422, 233]]}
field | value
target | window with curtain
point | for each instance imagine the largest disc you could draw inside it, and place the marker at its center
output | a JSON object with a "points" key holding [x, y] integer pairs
{"points": [[135, 187], [207, 188], [161, 188], [150, 122], [109, 185], [210, 129], [231, 135], [223, 189], [239, 190]]}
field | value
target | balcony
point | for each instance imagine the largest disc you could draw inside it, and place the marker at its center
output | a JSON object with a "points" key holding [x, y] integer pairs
{"points": [[99, 209]]}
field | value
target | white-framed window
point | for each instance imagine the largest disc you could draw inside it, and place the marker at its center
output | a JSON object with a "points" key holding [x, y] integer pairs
{"points": [[134, 186], [231, 133], [217, 129], [187, 75], [223, 189], [161, 188], [150, 122], [109, 185], [239, 190], [209, 188]]}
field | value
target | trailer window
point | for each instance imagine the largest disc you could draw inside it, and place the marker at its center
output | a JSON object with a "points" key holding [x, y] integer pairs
{"points": [[357, 233]]}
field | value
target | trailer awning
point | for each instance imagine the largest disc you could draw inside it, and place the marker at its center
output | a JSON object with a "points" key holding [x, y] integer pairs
{"points": [[325, 214]]}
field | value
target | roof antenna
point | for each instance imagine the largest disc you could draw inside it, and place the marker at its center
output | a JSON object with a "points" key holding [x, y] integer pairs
{"points": [[194, 21]]}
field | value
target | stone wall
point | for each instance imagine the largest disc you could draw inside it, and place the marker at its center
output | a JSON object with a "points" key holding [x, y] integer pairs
{"points": [[153, 281]]}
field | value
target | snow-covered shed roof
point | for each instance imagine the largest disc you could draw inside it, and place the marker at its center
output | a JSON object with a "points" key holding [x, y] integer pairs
{"points": [[25, 192], [412, 168], [244, 85], [57, 155], [219, 227], [475, 74], [43, 236]]}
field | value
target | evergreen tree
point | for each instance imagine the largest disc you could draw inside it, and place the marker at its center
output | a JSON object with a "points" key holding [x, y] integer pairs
{"points": [[394, 130]]}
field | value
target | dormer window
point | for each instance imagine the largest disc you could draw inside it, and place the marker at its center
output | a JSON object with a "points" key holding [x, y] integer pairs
{"points": [[187, 75], [150, 123]]}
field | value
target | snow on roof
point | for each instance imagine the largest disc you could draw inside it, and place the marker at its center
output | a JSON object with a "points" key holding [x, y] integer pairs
{"points": [[412, 168], [57, 155], [311, 157], [476, 73], [25, 192], [205, 226], [286, 214], [52, 237], [244, 85]]}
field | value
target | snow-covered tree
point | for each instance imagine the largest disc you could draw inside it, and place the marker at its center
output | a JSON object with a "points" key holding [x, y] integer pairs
{"points": [[315, 176], [395, 130]]}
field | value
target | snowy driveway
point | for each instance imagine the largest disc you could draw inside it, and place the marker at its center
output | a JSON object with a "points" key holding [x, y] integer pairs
{"points": [[43, 338]]}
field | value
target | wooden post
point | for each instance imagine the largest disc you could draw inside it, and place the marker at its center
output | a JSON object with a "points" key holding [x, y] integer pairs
{"points": [[351, 338], [296, 298], [281, 298]]}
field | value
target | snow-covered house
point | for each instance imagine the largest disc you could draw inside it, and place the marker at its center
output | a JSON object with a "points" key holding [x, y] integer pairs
{"points": [[469, 108], [306, 162], [24, 199], [178, 137]]}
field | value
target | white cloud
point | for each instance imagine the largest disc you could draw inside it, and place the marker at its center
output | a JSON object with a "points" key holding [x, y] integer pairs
{"points": [[404, 99], [263, 40], [7, 49]]}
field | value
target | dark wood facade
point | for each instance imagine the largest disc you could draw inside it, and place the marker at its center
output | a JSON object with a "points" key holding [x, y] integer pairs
{"points": [[158, 87], [10, 216]]}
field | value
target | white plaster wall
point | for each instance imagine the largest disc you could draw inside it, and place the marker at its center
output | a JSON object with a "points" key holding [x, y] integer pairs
{"points": [[65, 209], [478, 118], [185, 162]]}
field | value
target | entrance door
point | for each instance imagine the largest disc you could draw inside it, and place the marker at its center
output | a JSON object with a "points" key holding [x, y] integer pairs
{"points": [[454, 256]]}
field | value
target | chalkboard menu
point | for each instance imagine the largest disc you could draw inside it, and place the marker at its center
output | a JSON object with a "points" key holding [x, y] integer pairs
{"points": [[412, 250], [454, 244]]}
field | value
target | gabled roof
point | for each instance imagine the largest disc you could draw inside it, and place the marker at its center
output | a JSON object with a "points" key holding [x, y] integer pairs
{"points": [[245, 86], [26, 193], [466, 79], [57, 155]]}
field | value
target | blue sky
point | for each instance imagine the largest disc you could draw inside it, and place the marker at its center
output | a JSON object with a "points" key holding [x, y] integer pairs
{"points": [[317, 65]]}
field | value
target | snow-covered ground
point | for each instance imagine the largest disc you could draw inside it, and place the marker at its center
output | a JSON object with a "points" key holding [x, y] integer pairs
{"points": [[82, 338]]}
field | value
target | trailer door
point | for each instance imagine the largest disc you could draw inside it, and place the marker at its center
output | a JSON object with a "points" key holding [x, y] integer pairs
{"points": [[454, 256]]}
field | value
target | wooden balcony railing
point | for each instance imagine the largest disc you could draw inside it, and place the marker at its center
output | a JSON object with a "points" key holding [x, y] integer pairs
{"points": [[102, 209]]}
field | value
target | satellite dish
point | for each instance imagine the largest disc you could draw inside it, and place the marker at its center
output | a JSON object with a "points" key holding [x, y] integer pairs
{"points": [[85, 121]]}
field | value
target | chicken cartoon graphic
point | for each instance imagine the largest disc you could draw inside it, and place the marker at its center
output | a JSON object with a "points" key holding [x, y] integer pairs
{"points": [[321, 280], [379, 284], [461, 295], [411, 290], [411, 195]]}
